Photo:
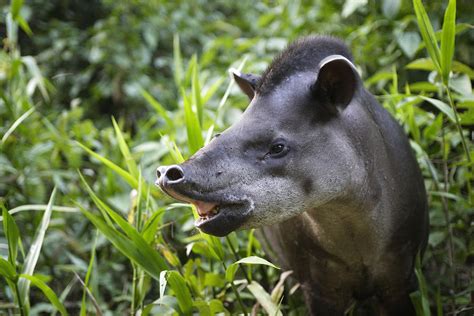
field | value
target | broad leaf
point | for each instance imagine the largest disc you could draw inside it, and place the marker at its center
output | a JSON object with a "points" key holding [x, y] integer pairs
{"points": [[447, 39]]}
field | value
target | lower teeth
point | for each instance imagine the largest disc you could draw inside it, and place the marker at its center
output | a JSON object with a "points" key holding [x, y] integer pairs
{"points": [[212, 213]]}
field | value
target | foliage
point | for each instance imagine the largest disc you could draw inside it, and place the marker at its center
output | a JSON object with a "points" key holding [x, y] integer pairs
{"points": [[108, 241]]}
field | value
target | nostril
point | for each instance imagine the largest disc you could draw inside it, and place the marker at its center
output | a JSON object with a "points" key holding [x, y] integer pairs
{"points": [[174, 173], [158, 173]]}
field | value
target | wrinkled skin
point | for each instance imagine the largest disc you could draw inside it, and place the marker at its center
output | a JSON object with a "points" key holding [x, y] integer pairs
{"points": [[330, 179]]}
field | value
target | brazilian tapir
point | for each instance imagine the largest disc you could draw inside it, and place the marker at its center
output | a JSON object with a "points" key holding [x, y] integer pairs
{"points": [[325, 172]]}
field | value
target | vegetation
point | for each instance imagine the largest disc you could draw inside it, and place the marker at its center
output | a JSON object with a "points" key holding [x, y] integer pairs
{"points": [[94, 97]]}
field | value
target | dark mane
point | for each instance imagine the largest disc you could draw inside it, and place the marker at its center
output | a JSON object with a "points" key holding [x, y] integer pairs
{"points": [[302, 55]]}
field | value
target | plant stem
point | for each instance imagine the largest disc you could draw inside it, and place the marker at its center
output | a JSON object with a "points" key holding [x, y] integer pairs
{"points": [[450, 245], [241, 303], [463, 140], [236, 255], [134, 290], [445, 203], [20, 303]]}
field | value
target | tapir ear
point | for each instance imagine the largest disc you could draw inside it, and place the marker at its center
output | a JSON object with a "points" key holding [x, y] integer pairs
{"points": [[247, 82], [336, 81]]}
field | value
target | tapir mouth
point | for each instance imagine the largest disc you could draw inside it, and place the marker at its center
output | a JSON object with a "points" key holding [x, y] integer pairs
{"points": [[218, 216]]}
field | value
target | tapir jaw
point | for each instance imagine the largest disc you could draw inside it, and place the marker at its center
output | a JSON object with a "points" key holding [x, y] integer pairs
{"points": [[219, 213]]}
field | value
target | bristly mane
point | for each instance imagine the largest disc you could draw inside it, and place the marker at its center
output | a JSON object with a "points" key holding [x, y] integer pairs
{"points": [[304, 54]]}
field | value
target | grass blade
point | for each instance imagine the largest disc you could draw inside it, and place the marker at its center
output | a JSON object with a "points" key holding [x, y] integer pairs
{"points": [[193, 128], [223, 100], [427, 33], [131, 232], [88, 275], [121, 172], [15, 7], [178, 62], [142, 254], [15, 124], [46, 291], [129, 161], [41, 207], [159, 108], [447, 39], [196, 90], [35, 249], [212, 90]]}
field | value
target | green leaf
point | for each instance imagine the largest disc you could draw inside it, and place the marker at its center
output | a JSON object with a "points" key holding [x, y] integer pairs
{"points": [[24, 25], [181, 291], [130, 162], [390, 8], [264, 299], [467, 117], [447, 39], [121, 172], [7, 269], [196, 90], [256, 260], [88, 275], [193, 129], [232, 269], [15, 7], [443, 107], [131, 232], [230, 272], [350, 6], [421, 64], [461, 84], [203, 307], [212, 90], [427, 33], [217, 307], [35, 72], [159, 108], [13, 235], [151, 226], [15, 124], [35, 249], [41, 207], [423, 86], [423, 289], [178, 63], [408, 42], [140, 253], [436, 238], [46, 291]]}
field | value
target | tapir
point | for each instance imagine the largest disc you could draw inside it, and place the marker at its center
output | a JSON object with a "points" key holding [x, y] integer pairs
{"points": [[327, 175]]}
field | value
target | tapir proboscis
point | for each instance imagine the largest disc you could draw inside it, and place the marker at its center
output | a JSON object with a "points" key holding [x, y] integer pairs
{"points": [[327, 175]]}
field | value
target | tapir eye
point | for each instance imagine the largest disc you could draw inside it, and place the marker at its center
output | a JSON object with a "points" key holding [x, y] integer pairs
{"points": [[278, 149]]}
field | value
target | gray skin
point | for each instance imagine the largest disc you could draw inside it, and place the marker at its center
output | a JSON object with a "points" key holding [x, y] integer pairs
{"points": [[328, 176]]}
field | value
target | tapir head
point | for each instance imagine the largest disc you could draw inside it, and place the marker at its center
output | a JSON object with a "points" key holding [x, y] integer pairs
{"points": [[290, 152]]}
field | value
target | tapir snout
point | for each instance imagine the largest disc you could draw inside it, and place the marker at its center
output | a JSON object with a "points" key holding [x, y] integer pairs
{"points": [[219, 214]]}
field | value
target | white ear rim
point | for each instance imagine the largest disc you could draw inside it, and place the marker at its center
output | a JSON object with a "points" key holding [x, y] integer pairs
{"points": [[332, 58]]}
